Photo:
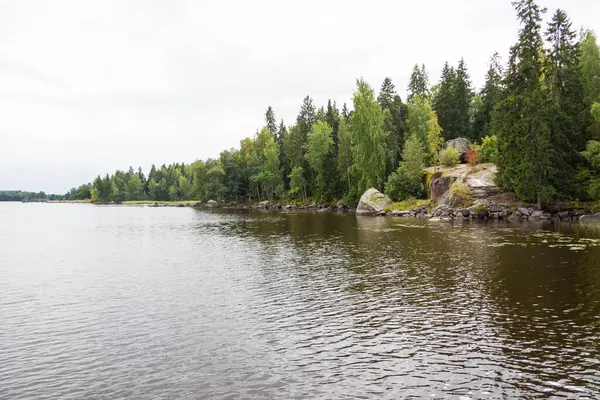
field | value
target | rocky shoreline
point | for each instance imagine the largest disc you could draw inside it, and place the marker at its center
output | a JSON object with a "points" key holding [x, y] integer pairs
{"points": [[439, 213]]}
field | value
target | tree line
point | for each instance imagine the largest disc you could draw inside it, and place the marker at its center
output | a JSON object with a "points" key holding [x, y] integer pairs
{"points": [[537, 117], [18, 195]]}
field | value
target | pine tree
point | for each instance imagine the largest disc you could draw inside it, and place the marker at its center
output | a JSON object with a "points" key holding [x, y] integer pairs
{"points": [[271, 122], [419, 83], [524, 162], [386, 94], [346, 112], [563, 84], [463, 97], [444, 102], [491, 92], [394, 121]]}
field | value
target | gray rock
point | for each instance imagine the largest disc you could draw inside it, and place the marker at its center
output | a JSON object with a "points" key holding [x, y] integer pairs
{"points": [[536, 214], [212, 204], [504, 214], [263, 204], [590, 219], [465, 212], [402, 213], [546, 215], [579, 212], [514, 216], [564, 214], [373, 202], [524, 211], [460, 144], [494, 215]]}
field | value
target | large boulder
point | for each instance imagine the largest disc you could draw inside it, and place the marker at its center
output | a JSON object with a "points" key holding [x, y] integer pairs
{"points": [[460, 144], [373, 202], [212, 204], [590, 219], [461, 185]]}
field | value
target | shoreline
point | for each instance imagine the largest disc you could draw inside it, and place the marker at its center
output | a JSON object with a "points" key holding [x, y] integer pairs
{"points": [[523, 213]]}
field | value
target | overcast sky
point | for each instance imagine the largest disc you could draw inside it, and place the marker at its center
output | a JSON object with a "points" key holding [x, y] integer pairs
{"points": [[87, 87]]}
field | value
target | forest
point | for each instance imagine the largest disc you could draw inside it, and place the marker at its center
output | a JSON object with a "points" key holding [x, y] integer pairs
{"points": [[17, 195], [537, 117]]}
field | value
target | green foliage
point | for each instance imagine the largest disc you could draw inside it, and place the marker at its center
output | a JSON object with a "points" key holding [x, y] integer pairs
{"points": [[18, 195], [489, 149], [491, 93], [407, 180], [419, 83], [344, 156], [417, 120], [434, 135], [589, 64], [297, 182], [522, 119], [369, 138], [318, 149], [452, 102], [592, 153], [394, 122], [595, 111], [449, 156]]}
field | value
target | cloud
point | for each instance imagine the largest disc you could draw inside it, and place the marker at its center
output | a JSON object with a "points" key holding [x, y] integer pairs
{"points": [[89, 87]]}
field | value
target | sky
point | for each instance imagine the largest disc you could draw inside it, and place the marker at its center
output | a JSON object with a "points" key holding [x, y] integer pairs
{"points": [[88, 87]]}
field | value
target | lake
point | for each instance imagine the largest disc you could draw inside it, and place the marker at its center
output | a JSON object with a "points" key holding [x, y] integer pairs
{"points": [[139, 302]]}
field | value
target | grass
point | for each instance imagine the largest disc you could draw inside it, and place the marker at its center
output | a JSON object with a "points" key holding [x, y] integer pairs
{"points": [[406, 205], [149, 202]]}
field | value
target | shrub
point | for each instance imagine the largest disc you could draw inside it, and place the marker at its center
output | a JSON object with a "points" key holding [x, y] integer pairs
{"points": [[460, 196], [594, 189], [472, 156], [489, 149], [402, 184], [449, 156]]}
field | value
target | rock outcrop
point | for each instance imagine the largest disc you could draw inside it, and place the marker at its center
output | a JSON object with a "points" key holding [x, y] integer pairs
{"points": [[212, 204], [373, 202], [463, 185]]}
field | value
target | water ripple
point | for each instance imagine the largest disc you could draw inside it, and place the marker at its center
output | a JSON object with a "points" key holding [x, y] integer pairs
{"points": [[177, 303]]}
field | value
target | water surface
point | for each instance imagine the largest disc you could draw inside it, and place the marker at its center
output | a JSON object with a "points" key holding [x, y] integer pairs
{"points": [[137, 302]]}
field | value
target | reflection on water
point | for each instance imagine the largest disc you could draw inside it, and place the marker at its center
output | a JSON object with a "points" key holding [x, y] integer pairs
{"points": [[168, 302]]}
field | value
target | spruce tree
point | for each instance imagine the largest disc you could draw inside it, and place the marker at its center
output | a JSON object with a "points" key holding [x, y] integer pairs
{"points": [[521, 122], [491, 92], [271, 122], [563, 84], [394, 120], [463, 97], [419, 83], [444, 102]]}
